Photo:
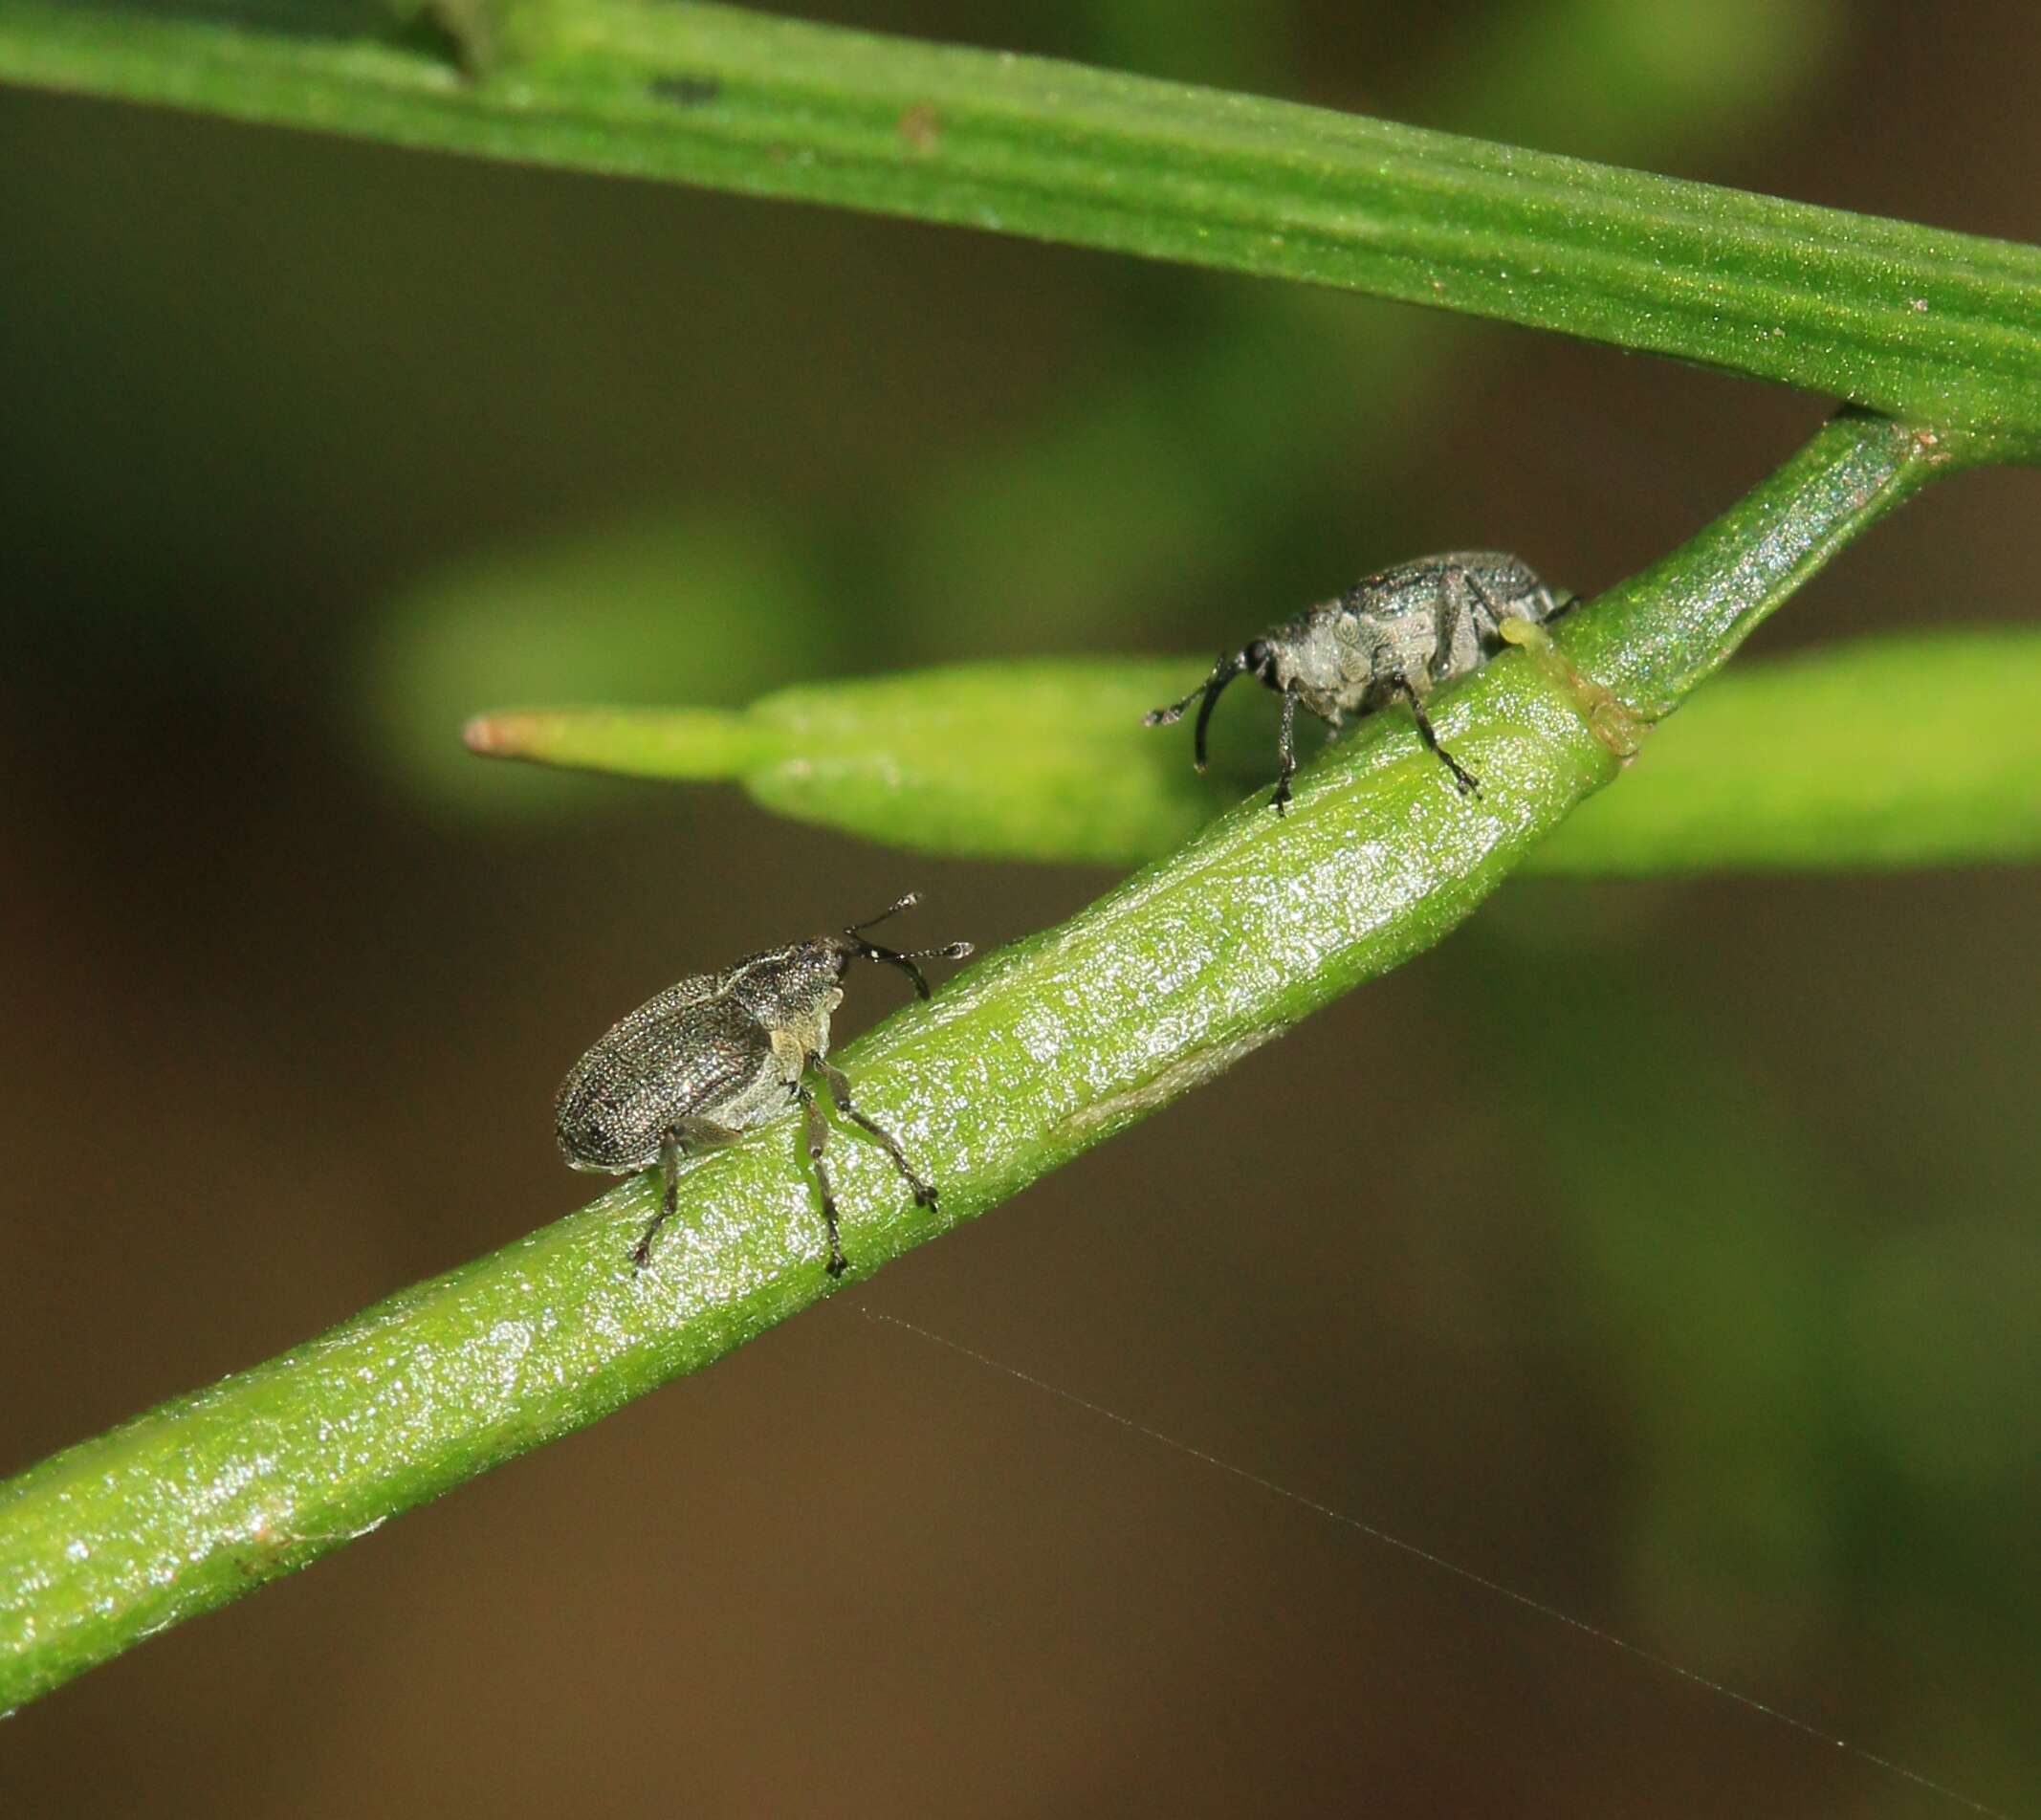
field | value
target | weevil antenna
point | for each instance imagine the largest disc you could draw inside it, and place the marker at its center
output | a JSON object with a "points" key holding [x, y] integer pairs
{"points": [[892, 910], [1223, 671], [893, 957], [1169, 716], [1226, 670]]}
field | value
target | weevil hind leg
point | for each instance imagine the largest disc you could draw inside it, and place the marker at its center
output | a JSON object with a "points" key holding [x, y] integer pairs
{"points": [[670, 1151], [840, 1091], [817, 1126], [690, 1134], [1464, 780]]}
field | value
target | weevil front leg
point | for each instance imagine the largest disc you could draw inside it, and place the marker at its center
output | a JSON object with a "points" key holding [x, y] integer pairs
{"points": [[1464, 780], [1286, 747], [840, 1091], [690, 1134], [818, 1129]]}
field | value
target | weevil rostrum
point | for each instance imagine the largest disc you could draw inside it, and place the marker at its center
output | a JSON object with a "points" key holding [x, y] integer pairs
{"points": [[720, 1054], [1393, 636]]}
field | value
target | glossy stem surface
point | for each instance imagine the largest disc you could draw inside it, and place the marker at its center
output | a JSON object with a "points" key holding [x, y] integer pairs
{"points": [[1024, 1061]]}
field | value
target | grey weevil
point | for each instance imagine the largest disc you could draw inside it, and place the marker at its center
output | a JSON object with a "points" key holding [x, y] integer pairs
{"points": [[1398, 634], [719, 1054]]}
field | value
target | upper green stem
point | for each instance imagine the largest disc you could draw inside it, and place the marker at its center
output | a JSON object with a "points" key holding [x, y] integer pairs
{"points": [[1937, 328], [1671, 627], [1027, 1058]]}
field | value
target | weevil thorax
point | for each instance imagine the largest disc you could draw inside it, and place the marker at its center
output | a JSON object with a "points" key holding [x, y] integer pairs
{"points": [[1437, 618], [1312, 656], [792, 991]]}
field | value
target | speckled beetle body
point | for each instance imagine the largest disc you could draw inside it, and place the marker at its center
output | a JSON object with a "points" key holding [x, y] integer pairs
{"points": [[719, 1054], [1393, 636]]}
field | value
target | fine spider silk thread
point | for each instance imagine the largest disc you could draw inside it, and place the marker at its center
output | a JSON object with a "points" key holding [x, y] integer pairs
{"points": [[1664, 1664]]}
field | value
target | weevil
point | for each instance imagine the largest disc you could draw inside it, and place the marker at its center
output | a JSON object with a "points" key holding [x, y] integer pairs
{"points": [[719, 1054], [1393, 636]]}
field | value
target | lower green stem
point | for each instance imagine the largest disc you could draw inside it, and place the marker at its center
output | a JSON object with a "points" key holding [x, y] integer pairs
{"points": [[1027, 1060]]}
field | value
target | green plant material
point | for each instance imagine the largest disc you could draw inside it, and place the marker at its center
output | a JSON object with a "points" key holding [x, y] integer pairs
{"points": [[729, 601], [1024, 1060], [1655, 78], [1040, 760], [1938, 327], [1914, 749], [1707, 1276], [1171, 455], [1175, 454]]}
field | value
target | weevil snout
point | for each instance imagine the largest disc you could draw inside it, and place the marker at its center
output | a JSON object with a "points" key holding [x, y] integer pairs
{"points": [[1256, 659]]}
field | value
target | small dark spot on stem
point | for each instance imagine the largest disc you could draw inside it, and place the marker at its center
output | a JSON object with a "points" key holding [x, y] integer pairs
{"points": [[920, 127], [688, 91]]}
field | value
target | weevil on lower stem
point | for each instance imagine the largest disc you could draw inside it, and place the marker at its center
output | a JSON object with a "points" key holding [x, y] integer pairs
{"points": [[1393, 636], [720, 1054]]}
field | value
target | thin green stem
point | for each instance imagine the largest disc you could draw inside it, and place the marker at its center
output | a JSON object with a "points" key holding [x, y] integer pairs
{"points": [[1902, 750], [1027, 1060], [1939, 328]]}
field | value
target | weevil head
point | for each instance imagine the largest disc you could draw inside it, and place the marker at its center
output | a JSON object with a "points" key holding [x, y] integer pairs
{"points": [[854, 945]]}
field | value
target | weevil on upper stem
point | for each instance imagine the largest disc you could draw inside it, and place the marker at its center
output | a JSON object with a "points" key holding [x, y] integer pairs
{"points": [[719, 1054], [1396, 635]]}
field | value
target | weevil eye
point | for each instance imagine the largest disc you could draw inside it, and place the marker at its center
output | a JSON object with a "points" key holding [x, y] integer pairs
{"points": [[1256, 658]]}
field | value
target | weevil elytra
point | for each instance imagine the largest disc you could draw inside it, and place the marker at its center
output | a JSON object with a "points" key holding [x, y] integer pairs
{"points": [[1393, 636], [719, 1054]]}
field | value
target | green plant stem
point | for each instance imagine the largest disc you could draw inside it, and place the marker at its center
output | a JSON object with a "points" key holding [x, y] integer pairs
{"points": [[1903, 751], [1919, 748], [1024, 1060], [1936, 327]]}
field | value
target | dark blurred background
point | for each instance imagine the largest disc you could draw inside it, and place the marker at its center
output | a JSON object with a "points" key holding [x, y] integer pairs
{"points": [[1683, 1275]]}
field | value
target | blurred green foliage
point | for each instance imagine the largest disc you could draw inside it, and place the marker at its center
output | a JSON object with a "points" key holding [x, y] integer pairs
{"points": [[731, 604], [1828, 1414], [1815, 1389]]}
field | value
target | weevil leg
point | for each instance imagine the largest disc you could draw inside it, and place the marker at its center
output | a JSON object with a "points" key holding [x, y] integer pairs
{"points": [[840, 1091], [818, 1130], [669, 1150], [1286, 746], [690, 1134], [1493, 607], [1451, 607], [1475, 586], [1464, 780], [704, 1135]]}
